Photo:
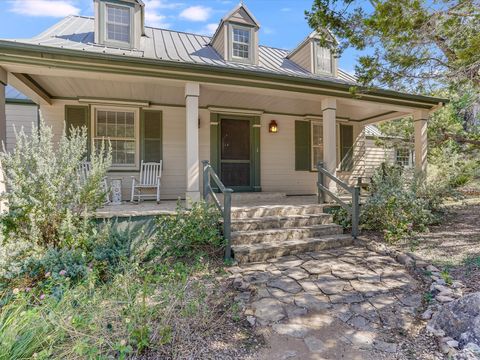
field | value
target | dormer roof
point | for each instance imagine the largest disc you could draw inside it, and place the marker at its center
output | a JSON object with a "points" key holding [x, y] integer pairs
{"points": [[313, 35]]}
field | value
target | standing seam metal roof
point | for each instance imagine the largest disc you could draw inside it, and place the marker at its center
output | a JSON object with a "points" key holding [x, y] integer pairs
{"points": [[77, 33]]}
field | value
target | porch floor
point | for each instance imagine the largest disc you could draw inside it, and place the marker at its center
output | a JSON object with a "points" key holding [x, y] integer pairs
{"points": [[151, 208]]}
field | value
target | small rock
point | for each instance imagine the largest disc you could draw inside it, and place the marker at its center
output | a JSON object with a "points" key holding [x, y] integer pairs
{"points": [[288, 355], [314, 345], [406, 260], [251, 320], [457, 284], [385, 346], [444, 299], [286, 284], [294, 330], [427, 315], [435, 332], [472, 347], [452, 344], [269, 310], [432, 269]]}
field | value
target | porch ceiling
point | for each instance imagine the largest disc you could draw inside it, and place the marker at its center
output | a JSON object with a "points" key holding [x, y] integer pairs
{"points": [[65, 84]]}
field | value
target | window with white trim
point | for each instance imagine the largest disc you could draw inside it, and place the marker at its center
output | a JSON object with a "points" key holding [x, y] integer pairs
{"points": [[117, 23], [404, 156], [120, 127], [316, 143], [241, 43], [324, 60]]}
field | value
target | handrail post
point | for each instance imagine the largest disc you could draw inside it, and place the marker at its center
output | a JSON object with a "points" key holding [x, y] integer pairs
{"points": [[355, 210], [227, 222], [320, 181], [206, 179]]}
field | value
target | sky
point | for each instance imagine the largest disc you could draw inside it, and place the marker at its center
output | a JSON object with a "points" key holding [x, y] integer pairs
{"points": [[283, 23]]}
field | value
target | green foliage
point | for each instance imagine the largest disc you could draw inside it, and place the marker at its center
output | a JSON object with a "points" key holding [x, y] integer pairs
{"points": [[188, 233], [341, 217], [400, 206], [48, 204], [411, 43]]}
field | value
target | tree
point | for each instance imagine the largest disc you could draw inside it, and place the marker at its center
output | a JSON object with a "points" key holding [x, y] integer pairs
{"points": [[406, 44]]}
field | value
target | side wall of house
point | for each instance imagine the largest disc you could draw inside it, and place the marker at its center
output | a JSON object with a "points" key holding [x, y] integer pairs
{"points": [[19, 116]]}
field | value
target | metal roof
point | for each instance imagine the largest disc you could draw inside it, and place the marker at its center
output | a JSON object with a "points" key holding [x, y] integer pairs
{"points": [[77, 33], [372, 130]]}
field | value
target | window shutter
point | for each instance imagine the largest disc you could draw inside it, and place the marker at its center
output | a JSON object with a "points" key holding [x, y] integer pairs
{"points": [[302, 146], [78, 116], [346, 143], [151, 135]]}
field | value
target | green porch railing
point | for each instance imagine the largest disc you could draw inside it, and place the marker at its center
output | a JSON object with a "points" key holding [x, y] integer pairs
{"points": [[353, 209], [226, 210]]}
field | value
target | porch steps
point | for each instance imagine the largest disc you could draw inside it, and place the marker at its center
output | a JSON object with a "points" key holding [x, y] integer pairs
{"points": [[263, 232]]}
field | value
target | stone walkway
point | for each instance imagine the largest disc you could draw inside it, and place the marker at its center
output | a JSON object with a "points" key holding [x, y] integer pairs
{"points": [[348, 303]]}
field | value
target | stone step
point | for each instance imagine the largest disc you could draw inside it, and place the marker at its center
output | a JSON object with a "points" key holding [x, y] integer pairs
{"points": [[279, 235], [280, 222], [264, 251], [275, 210]]}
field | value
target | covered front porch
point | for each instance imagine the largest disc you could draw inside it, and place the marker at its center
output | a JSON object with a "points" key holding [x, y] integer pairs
{"points": [[229, 123]]}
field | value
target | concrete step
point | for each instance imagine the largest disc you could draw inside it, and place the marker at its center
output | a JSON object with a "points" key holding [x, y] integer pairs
{"points": [[275, 210], [280, 222], [279, 235], [264, 251]]}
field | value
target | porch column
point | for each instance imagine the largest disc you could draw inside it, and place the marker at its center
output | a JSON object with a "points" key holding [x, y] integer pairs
{"points": [[329, 111], [421, 142], [192, 92], [3, 130], [3, 116]]}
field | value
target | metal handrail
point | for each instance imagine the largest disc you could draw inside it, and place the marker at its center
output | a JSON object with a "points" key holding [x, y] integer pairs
{"points": [[353, 209], [226, 209]]}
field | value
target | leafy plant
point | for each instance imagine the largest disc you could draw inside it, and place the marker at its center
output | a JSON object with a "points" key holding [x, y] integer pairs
{"points": [[48, 204], [188, 233]]}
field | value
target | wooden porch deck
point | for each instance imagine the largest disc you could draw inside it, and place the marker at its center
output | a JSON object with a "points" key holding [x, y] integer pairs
{"points": [[151, 208]]}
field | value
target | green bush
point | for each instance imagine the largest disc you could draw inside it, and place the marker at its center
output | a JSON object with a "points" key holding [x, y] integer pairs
{"points": [[188, 232], [48, 203], [400, 205]]}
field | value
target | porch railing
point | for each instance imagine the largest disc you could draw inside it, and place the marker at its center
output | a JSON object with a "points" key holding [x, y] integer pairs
{"points": [[353, 209], [226, 210]]}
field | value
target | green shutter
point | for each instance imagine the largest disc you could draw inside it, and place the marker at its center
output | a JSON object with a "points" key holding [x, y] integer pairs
{"points": [[302, 146], [346, 144], [77, 116], [151, 135]]}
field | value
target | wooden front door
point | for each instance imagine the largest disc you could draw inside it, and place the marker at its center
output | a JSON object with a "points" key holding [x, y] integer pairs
{"points": [[236, 169]]}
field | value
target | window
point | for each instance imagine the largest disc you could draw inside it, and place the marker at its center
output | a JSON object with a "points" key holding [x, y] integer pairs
{"points": [[404, 157], [324, 61], [118, 23], [120, 127], [317, 143], [240, 43]]}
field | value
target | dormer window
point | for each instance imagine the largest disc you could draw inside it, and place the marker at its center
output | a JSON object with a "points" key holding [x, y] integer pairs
{"points": [[324, 62], [118, 24], [241, 43]]}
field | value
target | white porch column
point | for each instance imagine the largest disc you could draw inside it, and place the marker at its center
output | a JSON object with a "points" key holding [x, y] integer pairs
{"points": [[329, 111], [3, 130], [192, 92], [421, 141]]}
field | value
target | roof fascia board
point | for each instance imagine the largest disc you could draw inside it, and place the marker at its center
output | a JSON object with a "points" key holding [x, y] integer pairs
{"points": [[12, 52]]}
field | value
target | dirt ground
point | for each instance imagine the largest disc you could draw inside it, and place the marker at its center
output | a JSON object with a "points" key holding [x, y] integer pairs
{"points": [[454, 245]]}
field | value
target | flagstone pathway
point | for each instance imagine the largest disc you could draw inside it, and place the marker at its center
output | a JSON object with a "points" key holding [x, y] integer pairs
{"points": [[348, 303]]}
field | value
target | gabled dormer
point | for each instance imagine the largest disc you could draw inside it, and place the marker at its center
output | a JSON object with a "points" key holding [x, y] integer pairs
{"points": [[236, 38], [314, 57], [119, 23]]}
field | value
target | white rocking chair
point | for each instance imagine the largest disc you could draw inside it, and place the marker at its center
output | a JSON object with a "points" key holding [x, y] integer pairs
{"points": [[150, 176], [84, 170]]}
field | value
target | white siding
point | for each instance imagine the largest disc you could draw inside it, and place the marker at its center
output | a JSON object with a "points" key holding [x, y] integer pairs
{"points": [[19, 116], [277, 158], [219, 42]]}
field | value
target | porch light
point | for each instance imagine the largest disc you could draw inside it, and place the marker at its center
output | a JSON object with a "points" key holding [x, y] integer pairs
{"points": [[273, 127]]}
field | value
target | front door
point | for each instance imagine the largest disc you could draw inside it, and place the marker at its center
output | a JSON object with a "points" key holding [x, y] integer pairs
{"points": [[236, 154]]}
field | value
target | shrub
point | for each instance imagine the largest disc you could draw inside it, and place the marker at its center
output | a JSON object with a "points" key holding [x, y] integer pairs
{"points": [[48, 204], [400, 205], [188, 232]]}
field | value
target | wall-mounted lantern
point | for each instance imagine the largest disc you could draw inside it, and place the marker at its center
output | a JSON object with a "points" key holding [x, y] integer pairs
{"points": [[273, 127]]}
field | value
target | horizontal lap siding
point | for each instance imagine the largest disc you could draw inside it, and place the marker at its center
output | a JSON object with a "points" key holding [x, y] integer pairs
{"points": [[18, 117], [277, 154], [174, 147]]}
